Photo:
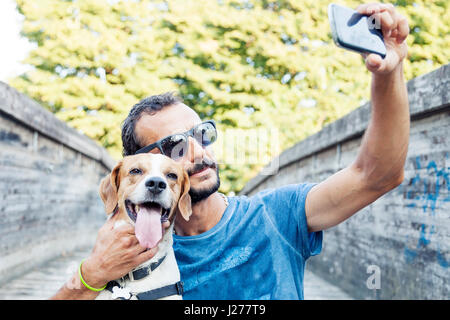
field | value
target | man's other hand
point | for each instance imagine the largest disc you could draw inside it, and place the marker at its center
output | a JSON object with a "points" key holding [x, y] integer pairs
{"points": [[116, 252]]}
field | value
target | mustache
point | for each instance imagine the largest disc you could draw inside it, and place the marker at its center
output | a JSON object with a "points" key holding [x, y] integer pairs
{"points": [[206, 163]]}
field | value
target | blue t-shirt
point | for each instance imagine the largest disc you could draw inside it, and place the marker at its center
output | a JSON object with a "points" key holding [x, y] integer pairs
{"points": [[257, 250]]}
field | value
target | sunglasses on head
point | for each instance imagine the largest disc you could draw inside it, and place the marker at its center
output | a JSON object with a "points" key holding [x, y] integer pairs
{"points": [[176, 145]]}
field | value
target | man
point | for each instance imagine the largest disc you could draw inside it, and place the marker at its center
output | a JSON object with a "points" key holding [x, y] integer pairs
{"points": [[256, 247]]}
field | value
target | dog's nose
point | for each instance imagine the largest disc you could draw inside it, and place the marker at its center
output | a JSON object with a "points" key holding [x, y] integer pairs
{"points": [[155, 185]]}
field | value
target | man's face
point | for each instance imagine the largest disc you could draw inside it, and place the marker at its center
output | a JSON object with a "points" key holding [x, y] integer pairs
{"points": [[199, 162]]}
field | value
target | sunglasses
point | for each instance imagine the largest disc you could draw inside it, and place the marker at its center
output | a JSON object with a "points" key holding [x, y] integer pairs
{"points": [[176, 146]]}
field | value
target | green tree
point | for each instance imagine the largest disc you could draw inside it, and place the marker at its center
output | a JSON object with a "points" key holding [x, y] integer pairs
{"points": [[250, 65]]}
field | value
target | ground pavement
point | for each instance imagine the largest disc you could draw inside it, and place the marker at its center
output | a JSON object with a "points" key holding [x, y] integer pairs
{"points": [[42, 282]]}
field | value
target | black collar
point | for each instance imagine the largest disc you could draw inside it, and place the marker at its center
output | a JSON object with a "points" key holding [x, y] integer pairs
{"points": [[170, 290], [166, 291], [143, 272]]}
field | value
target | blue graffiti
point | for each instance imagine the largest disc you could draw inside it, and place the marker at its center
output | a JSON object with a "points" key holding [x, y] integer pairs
{"points": [[425, 193]]}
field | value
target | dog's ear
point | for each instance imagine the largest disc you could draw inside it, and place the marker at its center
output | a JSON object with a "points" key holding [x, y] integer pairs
{"points": [[109, 188], [184, 204]]}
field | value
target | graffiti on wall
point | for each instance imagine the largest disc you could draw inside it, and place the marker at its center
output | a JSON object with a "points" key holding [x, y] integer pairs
{"points": [[427, 193]]}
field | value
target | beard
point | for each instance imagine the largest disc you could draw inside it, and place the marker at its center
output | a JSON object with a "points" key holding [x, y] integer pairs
{"points": [[200, 194]]}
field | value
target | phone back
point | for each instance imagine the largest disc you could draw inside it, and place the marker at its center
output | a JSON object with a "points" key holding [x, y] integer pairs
{"points": [[354, 31]]}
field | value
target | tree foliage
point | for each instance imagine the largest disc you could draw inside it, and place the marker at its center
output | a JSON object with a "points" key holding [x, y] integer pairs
{"points": [[252, 65]]}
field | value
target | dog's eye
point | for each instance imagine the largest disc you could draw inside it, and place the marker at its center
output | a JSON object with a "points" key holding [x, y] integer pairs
{"points": [[135, 171], [172, 176]]}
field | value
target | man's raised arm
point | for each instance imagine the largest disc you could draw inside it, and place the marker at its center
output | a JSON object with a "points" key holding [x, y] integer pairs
{"points": [[379, 165]]}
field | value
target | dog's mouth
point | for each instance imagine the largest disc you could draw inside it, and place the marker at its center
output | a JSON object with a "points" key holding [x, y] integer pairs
{"points": [[148, 218], [133, 209]]}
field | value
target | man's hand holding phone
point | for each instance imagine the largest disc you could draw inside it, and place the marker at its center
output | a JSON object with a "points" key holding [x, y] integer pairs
{"points": [[395, 29]]}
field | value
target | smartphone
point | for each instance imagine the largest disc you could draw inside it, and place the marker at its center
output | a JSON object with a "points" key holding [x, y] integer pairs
{"points": [[354, 31]]}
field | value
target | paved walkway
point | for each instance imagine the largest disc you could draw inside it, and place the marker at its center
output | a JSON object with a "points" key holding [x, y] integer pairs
{"points": [[43, 282], [316, 288]]}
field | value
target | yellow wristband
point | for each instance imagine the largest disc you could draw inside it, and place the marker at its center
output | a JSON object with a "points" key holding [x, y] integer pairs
{"points": [[85, 284]]}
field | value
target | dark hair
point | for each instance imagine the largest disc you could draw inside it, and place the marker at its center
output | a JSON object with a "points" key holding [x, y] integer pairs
{"points": [[149, 105]]}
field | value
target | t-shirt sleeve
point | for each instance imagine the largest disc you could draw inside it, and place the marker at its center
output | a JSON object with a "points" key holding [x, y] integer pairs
{"points": [[311, 241], [286, 208]]}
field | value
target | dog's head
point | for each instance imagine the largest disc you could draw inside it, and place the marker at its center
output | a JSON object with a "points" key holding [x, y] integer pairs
{"points": [[147, 189]]}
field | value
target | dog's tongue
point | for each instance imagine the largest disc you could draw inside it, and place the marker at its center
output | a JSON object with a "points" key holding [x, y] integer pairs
{"points": [[148, 226]]}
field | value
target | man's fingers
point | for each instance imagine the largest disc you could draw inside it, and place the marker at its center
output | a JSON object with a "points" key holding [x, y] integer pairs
{"points": [[374, 62], [125, 229], [392, 23], [364, 8], [403, 29], [389, 7], [136, 249], [375, 7], [384, 15], [388, 23], [384, 20], [145, 255]]}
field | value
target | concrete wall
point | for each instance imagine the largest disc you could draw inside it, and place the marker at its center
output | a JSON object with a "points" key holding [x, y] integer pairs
{"points": [[404, 236], [49, 178]]}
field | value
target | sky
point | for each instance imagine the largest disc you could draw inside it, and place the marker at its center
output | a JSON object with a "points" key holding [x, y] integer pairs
{"points": [[14, 47]]}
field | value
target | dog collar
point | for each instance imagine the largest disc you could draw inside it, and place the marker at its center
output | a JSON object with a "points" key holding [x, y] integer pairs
{"points": [[141, 273], [124, 294]]}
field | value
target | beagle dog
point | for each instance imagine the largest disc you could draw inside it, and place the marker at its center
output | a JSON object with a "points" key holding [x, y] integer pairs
{"points": [[147, 191]]}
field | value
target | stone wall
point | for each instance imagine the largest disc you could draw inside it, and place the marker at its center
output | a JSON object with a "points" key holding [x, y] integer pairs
{"points": [[403, 238], [49, 178]]}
